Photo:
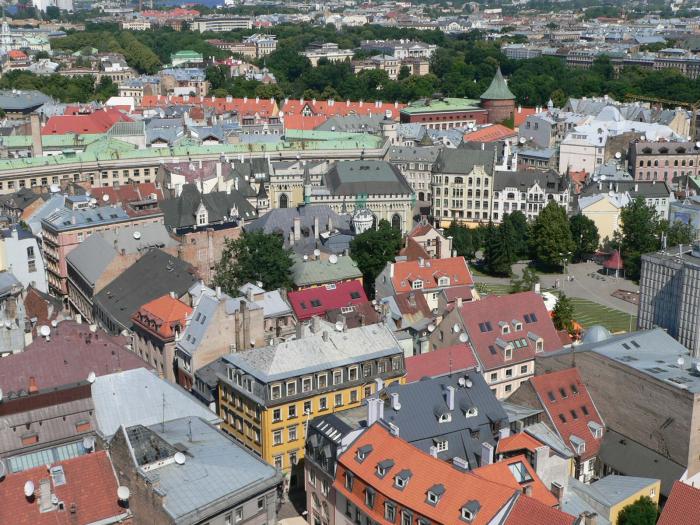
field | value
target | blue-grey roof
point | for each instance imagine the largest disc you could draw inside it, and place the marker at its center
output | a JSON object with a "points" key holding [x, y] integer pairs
{"points": [[575, 505], [312, 354], [66, 219], [217, 473], [57, 201], [17, 100], [549, 437], [423, 401], [185, 73], [613, 489], [135, 397]]}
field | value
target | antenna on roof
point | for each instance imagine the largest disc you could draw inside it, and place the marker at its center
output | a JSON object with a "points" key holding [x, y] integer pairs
{"points": [[189, 429], [162, 423]]}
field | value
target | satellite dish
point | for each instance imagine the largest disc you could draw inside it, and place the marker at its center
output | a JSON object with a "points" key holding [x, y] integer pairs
{"points": [[468, 383], [105, 197], [180, 458], [461, 381], [123, 493], [431, 328], [29, 489], [93, 201], [93, 328], [333, 259], [455, 328], [137, 235], [339, 326], [55, 188], [463, 337], [91, 377], [618, 155], [54, 323], [522, 140], [603, 177], [317, 252], [88, 442], [44, 331], [680, 361], [697, 144], [306, 257]]}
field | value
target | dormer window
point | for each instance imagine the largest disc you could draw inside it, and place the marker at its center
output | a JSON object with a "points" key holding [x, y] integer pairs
{"points": [[417, 284], [444, 281], [472, 412], [401, 479], [508, 353], [469, 510], [539, 345], [384, 466], [362, 453], [434, 494], [505, 329], [445, 418], [517, 325]]}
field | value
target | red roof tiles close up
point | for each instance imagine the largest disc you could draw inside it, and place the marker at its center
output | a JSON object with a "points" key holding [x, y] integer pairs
{"points": [[163, 316], [430, 274], [98, 122], [440, 362], [88, 493], [570, 408], [682, 506], [320, 299]]}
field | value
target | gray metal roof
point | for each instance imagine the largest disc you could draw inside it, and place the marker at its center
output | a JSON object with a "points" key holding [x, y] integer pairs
{"points": [[181, 211], [312, 354], [422, 401], [16, 100], [427, 154], [312, 272], [461, 161], [66, 219], [371, 177], [646, 189], [549, 180], [217, 473], [135, 397], [613, 489], [153, 275]]}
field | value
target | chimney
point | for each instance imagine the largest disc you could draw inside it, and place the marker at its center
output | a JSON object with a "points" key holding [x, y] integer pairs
{"points": [[459, 302], [315, 324], [172, 294], [218, 292], [503, 432], [297, 228], [486, 453], [558, 491], [35, 125], [316, 232], [395, 405], [291, 238], [325, 336], [330, 224], [380, 384], [450, 397], [249, 294], [527, 490], [588, 518], [33, 389], [372, 411], [433, 451], [421, 262]]}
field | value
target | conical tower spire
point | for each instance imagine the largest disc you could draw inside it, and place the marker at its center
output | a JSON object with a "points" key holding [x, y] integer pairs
{"points": [[498, 90]]}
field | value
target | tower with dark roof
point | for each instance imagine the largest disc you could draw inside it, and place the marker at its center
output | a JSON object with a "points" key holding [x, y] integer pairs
{"points": [[498, 99]]}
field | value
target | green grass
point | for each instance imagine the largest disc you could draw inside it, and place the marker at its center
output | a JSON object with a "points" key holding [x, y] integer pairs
{"points": [[587, 313]]}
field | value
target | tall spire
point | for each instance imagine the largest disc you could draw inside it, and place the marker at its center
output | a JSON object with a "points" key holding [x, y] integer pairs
{"points": [[498, 90]]}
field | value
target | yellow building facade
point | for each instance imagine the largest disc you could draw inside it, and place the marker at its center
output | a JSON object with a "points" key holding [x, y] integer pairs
{"points": [[324, 372]]}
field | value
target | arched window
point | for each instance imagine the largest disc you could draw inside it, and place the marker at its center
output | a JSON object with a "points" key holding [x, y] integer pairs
{"points": [[396, 222], [284, 201], [459, 180]]}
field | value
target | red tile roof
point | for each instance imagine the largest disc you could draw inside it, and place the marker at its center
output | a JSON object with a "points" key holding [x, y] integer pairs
{"points": [[331, 108], [429, 272], [574, 400], [71, 354], [303, 122], [263, 107], [440, 362], [128, 192], [319, 299], [528, 511], [681, 506], [420, 229], [16, 54], [90, 487], [493, 486], [517, 442], [521, 115], [413, 250], [163, 316], [98, 122], [481, 320], [492, 133]]}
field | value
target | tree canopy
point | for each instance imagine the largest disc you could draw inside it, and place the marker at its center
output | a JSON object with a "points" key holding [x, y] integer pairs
{"points": [[374, 248], [642, 512], [585, 235], [550, 237], [639, 234], [563, 314], [255, 256]]}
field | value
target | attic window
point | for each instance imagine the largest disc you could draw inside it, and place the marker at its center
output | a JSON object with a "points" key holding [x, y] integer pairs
{"points": [[530, 318], [362, 452], [469, 511], [551, 396], [315, 303], [520, 472], [383, 467], [444, 281], [472, 412], [445, 418], [354, 295], [434, 494], [574, 389], [401, 479], [417, 284]]}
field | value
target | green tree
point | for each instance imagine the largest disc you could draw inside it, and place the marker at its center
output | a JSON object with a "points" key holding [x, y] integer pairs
{"points": [[526, 282], [585, 235], [269, 91], [558, 98], [404, 72], [255, 256], [517, 232], [563, 314], [642, 512], [498, 256], [462, 240], [677, 232], [550, 237], [639, 234], [374, 248]]}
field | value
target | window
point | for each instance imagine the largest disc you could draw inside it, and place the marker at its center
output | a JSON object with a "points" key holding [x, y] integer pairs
{"points": [[292, 410], [30, 252], [442, 446], [352, 373], [338, 401], [563, 393], [389, 511], [509, 372], [276, 415], [366, 370], [406, 517], [312, 477], [276, 391], [539, 345], [574, 389], [551, 396], [349, 478], [291, 388], [369, 497], [292, 431], [493, 376], [31, 266], [433, 498], [261, 503], [417, 284], [337, 377], [322, 380], [584, 409], [467, 514], [523, 369], [509, 353], [323, 404], [445, 418], [353, 396], [508, 388], [277, 437], [562, 418], [520, 472], [239, 514], [307, 407], [306, 384]]}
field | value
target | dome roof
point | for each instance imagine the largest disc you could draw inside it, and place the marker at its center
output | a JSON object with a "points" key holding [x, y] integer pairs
{"points": [[596, 334]]}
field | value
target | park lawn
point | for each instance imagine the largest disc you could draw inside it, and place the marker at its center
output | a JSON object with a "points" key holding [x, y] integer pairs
{"points": [[587, 313]]}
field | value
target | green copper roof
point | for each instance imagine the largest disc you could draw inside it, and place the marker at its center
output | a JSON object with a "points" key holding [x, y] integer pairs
{"points": [[498, 90], [443, 104]]}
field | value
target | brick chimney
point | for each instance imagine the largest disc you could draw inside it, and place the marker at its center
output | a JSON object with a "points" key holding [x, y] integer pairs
{"points": [[33, 389]]}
